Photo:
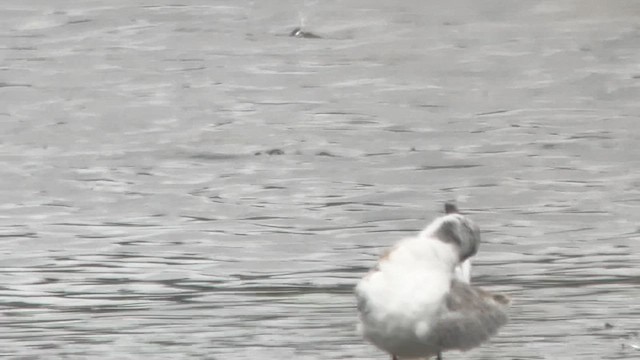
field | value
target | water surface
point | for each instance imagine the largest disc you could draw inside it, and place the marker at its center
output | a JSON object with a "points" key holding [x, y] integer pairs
{"points": [[185, 181]]}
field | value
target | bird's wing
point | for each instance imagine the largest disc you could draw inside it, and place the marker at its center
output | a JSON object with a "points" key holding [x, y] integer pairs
{"points": [[472, 316]]}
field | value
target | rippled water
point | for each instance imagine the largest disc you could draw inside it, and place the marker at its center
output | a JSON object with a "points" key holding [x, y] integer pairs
{"points": [[185, 181]]}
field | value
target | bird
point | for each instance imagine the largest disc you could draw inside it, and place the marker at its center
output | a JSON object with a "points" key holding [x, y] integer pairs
{"points": [[299, 33], [417, 301]]}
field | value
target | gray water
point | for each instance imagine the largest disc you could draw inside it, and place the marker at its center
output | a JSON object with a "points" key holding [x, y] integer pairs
{"points": [[182, 180]]}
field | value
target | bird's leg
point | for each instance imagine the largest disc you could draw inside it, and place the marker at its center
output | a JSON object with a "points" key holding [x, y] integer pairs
{"points": [[393, 357], [439, 356]]}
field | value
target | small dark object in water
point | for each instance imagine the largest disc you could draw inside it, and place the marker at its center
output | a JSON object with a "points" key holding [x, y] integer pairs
{"points": [[325, 153], [274, 152], [450, 208], [297, 32], [608, 326]]}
